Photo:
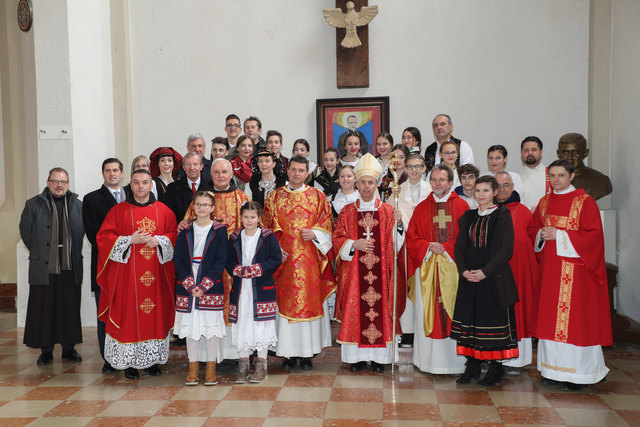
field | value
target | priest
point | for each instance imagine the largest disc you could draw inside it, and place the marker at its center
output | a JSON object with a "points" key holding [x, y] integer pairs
{"points": [[573, 316], [363, 239], [433, 276], [136, 279], [525, 270], [300, 216]]}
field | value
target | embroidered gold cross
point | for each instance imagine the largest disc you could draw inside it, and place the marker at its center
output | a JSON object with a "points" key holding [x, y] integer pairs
{"points": [[147, 278], [372, 333], [368, 222], [442, 219], [371, 314], [369, 260], [147, 305], [147, 252], [370, 277], [147, 225], [371, 296]]}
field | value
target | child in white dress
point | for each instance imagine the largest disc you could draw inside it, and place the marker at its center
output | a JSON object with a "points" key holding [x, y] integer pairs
{"points": [[200, 256], [254, 254]]}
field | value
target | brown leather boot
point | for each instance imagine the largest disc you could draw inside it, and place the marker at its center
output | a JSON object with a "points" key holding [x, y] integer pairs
{"points": [[192, 376], [211, 376], [243, 370], [260, 374]]}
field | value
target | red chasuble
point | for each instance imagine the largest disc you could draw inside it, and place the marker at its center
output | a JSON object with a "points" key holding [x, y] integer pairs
{"points": [[434, 222], [227, 211], [365, 284], [525, 270], [137, 300], [574, 297], [305, 279]]}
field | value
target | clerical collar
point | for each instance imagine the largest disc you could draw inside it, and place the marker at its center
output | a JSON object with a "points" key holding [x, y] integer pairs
{"points": [[302, 188], [231, 187], [132, 200], [569, 189], [515, 197], [487, 211], [443, 198], [366, 206]]}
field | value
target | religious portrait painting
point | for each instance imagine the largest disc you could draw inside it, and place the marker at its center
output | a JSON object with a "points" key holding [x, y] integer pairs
{"points": [[338, 117]]}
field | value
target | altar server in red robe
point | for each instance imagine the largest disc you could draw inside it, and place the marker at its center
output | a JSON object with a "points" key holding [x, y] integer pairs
{"points": [[433, 275], [525, 270], [363, 240], [573, 315], [136, 278]]}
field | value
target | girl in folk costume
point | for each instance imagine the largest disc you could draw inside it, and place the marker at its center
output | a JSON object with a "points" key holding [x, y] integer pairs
{"points": [[384, 142], [200, 257], [352, 146], [412, 139], [254, 254], [165, 165], [402, 154], [484, 323], [326, 179]]}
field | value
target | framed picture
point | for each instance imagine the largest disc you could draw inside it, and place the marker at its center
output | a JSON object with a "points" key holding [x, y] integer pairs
{"points": [[335, 117]]}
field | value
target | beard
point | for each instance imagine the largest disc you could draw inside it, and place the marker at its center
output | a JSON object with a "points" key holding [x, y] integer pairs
{"points": [[530, 160]]}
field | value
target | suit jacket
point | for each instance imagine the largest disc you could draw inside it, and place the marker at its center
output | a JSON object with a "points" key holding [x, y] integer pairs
{"points": [[180, 195], [95, 207], [205, 173]]}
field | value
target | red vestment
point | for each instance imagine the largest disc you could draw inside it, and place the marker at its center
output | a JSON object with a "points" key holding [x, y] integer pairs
{"points": [[434, 222], [574, 297], [365, 284], [137, 301], [525, 270], [305, 279]]}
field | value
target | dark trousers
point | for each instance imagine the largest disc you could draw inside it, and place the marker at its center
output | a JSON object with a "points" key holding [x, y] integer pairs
{"points": [[101, 325]]}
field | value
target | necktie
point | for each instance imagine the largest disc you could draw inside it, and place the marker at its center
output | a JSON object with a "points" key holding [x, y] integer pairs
{"points": [[193, 188], [116, 194]]}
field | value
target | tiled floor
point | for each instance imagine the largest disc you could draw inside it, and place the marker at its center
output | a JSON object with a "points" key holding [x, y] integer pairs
{"points": [[69, 394]]}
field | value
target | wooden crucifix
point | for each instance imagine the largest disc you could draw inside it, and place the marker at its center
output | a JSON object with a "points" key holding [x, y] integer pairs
{"points": [[352, 41]]}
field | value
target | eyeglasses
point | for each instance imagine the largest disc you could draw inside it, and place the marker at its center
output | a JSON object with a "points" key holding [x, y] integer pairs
{"points": [[58, 182], [450, 153], [202, 205], [233, 125], [505, 185], [416, 167]]}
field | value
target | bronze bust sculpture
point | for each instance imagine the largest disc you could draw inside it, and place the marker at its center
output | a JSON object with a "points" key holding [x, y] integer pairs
{"points": [[573, 147]]}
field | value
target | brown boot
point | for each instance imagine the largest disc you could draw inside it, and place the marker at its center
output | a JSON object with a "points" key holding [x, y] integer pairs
{"points": [[260, 374], [192, 376], [243, 370], [211, 376]]}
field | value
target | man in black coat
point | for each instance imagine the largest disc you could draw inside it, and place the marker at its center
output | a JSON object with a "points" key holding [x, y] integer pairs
{"points": [[180, 193], [196, 144], [95, 207], [51, 228]]}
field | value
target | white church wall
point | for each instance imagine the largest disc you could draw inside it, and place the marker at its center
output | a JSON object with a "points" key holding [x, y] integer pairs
{"points": [[625, 129], [503, 69]]}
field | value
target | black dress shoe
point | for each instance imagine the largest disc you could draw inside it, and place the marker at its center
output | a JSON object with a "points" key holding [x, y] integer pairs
{"points": [[549, 381], [71, 355], [45, 359], [377, 367], [154, 371], [355, 367], [407, 341], [288, 363], [108, 369], [573, 387], [131, 374], [179, 342], [305, 363]]}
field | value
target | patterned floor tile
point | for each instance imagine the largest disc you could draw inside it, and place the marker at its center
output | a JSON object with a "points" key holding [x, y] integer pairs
{"points": [[190, 408], [298, 409], [356, 395], [411, 411]]}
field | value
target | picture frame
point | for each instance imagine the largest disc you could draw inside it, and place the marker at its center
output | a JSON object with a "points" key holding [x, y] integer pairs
{"points": [[334, 116]]}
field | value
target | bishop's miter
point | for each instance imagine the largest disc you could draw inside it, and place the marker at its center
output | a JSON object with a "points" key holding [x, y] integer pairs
{"points": [[350, 21]]}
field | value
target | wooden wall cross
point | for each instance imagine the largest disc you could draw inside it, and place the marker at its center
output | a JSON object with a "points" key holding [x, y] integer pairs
{"points": [[352, 63]]}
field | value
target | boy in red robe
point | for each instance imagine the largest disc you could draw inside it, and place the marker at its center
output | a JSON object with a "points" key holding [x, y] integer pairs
{"points": [[136, 278], [573, 317]]}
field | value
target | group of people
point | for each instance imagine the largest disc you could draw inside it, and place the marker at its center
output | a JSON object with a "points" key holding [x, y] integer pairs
{"points": [[246, 250]]}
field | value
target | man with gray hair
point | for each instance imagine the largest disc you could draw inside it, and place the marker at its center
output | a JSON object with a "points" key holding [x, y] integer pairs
{"points": [[442, 129], [196, 144], [51, 228], [180, 193]]}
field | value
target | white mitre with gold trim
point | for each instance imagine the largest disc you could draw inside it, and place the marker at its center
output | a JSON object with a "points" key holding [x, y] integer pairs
{"points": [[369, 166]]}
